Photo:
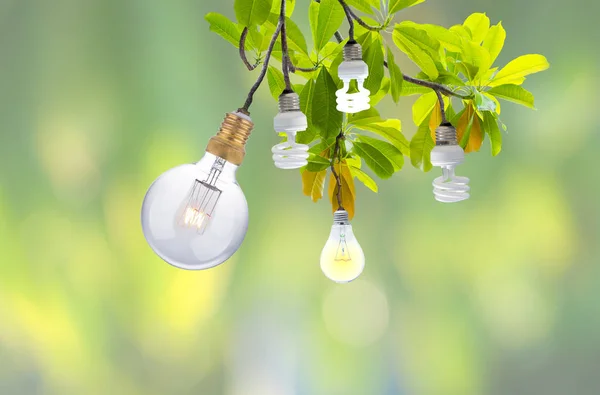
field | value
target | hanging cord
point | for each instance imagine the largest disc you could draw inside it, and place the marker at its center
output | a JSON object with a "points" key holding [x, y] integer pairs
{"points": [[285, 57], [337, 154], [263, 72]]}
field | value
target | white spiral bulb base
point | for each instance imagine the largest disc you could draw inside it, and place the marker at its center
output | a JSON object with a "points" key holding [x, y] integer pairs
{"points": [[290, 120], [447, 154], [353, 68]]}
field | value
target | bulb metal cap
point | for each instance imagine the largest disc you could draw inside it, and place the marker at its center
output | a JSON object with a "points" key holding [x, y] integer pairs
{"points": [[340, 217], [289, 102], [445, 134], [229, 143], [352, 51]]}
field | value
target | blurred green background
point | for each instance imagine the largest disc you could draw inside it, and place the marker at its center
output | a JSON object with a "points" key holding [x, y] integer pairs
{"points": [[498, 295]]}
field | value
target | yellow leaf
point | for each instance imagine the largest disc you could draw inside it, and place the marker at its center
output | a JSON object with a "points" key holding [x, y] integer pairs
{"points": [[515, 71], [494, 41], [313, 184], [435, 120], [348, 189], [469, 118]]}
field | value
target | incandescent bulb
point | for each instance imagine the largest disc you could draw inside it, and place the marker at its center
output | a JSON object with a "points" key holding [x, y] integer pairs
{"points": [[353, 68], [195, 216], [342, 258], [290, 120], [447, 154]]}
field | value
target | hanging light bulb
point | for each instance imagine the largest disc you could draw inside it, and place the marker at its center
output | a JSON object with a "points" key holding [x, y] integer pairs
{"points": [[342, 258], [290, 120], [353, 68], [195, 216], [447, 154]]}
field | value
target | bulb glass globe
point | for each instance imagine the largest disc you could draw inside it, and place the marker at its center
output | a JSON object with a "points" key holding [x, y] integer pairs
{"points": [[342, 258], [195, 216]]}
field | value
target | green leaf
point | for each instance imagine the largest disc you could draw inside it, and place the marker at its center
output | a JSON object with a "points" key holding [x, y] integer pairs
{"points": [[325, 117], [225, 28], [373, 56], [313, 17], [392, 153], [420, 57], [410, 89], [490, 126], [420, 38], [306, 97], [365, 6], [515, 94], [252, 12], [476, 56], [276, 82], [317, 163], [289, 7], [478, 24], [421, 146], [331, 16], [390, 129], [494, 41], [296, 40], [374, 159], [383, 91], [423, 107], [447, 78], [449, 39], [396, 78], [397, 5], [483, 102], [364, 178], [515, 71]]}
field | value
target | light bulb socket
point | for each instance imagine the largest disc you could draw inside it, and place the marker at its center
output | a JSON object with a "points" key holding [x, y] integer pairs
{"points": [[289, 101], [229, 143], [445, 134], [341, 217], [352, 51]]}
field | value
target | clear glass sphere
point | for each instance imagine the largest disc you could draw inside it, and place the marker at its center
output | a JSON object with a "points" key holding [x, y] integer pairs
{"points": [[195, 217], [342, 258]]}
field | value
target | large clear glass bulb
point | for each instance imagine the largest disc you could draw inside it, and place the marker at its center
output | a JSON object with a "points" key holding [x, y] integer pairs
{"points": [[195, 216], [342, 258]]}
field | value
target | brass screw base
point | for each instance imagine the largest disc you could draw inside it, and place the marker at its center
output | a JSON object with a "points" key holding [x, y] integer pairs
{"points": [[231, 139]]}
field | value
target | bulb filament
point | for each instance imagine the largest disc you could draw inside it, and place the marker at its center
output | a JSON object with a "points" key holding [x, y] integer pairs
{"points": [[202, 200]]}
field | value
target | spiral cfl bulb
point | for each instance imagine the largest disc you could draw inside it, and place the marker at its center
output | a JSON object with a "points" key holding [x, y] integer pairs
{"points": [[353, 68], [290, 120], [195, 216], [447, 154], [342, 258]]}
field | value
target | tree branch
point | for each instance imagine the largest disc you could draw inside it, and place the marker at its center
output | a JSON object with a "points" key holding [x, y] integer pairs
{"points": [[243, 51], [435, 86], [336, 153], [263, 72]]}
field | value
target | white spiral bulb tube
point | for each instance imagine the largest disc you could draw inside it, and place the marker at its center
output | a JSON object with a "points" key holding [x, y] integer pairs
{"points": [[290, 120], [353, 68], [447, 154]]}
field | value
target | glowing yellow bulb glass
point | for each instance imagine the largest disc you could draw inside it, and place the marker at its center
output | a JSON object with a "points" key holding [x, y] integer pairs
{"points": [[342, 258]]}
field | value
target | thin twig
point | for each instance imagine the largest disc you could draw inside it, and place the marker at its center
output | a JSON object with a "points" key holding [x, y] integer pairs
{"points": [[336, 153], [285, 57], [243, 51], [263, 72], [294, 69], [435, 86]]}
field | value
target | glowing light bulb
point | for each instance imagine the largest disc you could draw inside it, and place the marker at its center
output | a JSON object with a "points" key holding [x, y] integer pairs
{"points": [[342, 258], [353, 68], [447, 154], [290, 120], [195, 216]]}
